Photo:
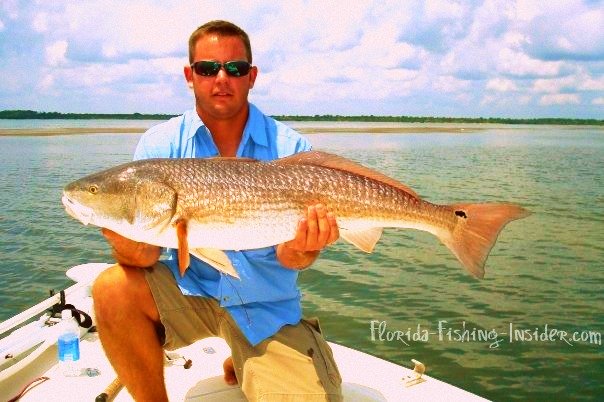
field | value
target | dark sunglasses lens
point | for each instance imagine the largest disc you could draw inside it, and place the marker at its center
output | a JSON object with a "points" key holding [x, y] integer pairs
{"points": [[237, 68], [207, 68]]}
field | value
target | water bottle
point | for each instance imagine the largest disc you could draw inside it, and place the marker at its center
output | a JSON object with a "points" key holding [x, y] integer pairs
{"points": [[69, 344]]}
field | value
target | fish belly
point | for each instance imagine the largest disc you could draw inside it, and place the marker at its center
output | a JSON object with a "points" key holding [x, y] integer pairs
{"points": [[244, 233]]}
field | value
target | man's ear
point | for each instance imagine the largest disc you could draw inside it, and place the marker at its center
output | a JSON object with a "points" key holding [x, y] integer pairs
{"points": [[188, 72], [253, 75]]}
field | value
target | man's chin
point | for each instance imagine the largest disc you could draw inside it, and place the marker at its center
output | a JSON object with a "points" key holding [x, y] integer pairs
{"points": [[223, 110]]}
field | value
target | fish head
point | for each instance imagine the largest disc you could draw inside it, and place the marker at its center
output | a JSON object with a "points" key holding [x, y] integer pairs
{"points": [[102, 197], [127, 199]]}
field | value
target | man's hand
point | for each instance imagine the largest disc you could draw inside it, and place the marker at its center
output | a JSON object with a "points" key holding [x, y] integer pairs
{"points": [[131, 253], [315, 231]]}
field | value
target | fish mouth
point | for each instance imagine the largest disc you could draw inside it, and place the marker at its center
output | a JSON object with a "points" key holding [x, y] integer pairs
{"points": [[77, 211]]}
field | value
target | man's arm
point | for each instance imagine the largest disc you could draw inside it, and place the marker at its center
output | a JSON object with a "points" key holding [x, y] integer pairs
{"points": [[131, 253], [316, 231]]}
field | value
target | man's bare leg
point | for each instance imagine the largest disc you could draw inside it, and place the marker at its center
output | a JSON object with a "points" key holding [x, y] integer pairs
{"points": [[127, 319], [229, 371]]}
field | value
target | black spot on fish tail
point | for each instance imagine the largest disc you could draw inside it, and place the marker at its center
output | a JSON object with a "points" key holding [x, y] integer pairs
{"points": [[461, 214]]}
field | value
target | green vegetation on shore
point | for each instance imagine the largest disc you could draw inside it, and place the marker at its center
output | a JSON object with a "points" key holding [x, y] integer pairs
{"points": [[30, 114], [430, 119]]}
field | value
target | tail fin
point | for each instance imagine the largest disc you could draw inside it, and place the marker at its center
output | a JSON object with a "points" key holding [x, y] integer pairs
{"points": [[478, 226]]}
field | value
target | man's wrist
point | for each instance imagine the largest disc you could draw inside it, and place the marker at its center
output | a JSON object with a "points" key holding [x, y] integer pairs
{"points": [[295, 259]]}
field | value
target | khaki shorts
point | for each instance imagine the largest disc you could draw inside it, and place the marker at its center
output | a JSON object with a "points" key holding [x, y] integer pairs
{"points": [[295, 364]]}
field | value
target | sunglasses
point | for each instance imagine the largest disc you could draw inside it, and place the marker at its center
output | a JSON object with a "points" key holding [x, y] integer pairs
{"points": [[235, 68]]}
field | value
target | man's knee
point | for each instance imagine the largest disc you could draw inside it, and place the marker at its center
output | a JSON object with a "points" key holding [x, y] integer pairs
{"points": [[110, 284], [119, 290]]}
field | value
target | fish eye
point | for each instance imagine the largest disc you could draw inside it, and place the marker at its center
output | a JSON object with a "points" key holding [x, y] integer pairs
{"points": [[93, 189]]}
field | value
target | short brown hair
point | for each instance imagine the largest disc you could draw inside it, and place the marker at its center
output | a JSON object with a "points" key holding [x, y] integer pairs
{"points": [[220, 28]]}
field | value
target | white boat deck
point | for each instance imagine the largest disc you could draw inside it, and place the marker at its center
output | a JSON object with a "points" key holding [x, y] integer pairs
{"points": [[365, 377]]}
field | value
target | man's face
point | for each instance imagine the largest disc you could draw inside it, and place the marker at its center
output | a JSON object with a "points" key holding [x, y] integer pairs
{"points": [[220, 97]]}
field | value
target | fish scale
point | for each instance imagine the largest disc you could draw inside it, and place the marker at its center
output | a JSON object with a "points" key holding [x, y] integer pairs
{"points": [[237, 204]]}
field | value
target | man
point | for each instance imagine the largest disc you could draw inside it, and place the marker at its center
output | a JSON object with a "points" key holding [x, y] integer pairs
{"points": [[142, 304]]}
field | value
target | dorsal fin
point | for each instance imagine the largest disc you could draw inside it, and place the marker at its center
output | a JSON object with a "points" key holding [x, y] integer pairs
{"points": [[331, 161]]}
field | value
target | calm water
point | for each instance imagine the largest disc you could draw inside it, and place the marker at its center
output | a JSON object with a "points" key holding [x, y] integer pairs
{"points": [[545, 270]]}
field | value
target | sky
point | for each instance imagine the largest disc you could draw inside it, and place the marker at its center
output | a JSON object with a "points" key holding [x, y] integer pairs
{"points": [[514, 58]]}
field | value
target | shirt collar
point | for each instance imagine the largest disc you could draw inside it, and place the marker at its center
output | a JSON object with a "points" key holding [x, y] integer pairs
{"points": [[254, 128], [196, 124]]}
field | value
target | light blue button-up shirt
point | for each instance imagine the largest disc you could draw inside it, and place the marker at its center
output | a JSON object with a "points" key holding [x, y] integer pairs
{"points": [[266, 297]]}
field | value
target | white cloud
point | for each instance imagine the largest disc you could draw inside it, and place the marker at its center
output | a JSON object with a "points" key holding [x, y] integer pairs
{"points": [[469, 61], [436, 57], [448, 83], [400, 74], [553, 85], [598, 101], [443, 9], [587, 83], [568, 30], [334, 27], [168, 65], [488, 100], [525, 10], [125, 28], [514, 40], [559, 99], [112, 74], [580, 81], [524, 99], [40, 22], [519, 64], [10, 8], [501, 85], [46, 82], [55, 53], [109, 51], [464, 98]]}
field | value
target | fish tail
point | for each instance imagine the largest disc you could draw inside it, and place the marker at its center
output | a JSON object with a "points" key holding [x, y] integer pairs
{"points": [[476, 231]]}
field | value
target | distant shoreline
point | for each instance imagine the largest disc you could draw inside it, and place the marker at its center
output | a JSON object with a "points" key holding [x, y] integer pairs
{"points": [[34, 115], [48, 132], [308, 130], [55, 131]]}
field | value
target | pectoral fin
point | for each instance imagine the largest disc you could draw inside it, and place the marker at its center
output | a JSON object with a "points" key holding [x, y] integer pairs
{"points": [[217, 259], [183, 246], [364, 240]]}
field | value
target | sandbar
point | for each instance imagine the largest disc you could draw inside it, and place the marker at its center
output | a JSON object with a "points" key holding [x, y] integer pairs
{"points": [[36, 132], [54, 131]]}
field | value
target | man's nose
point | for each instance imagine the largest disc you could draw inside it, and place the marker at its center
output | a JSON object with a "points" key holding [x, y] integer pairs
{"points": [[222, 74]]}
